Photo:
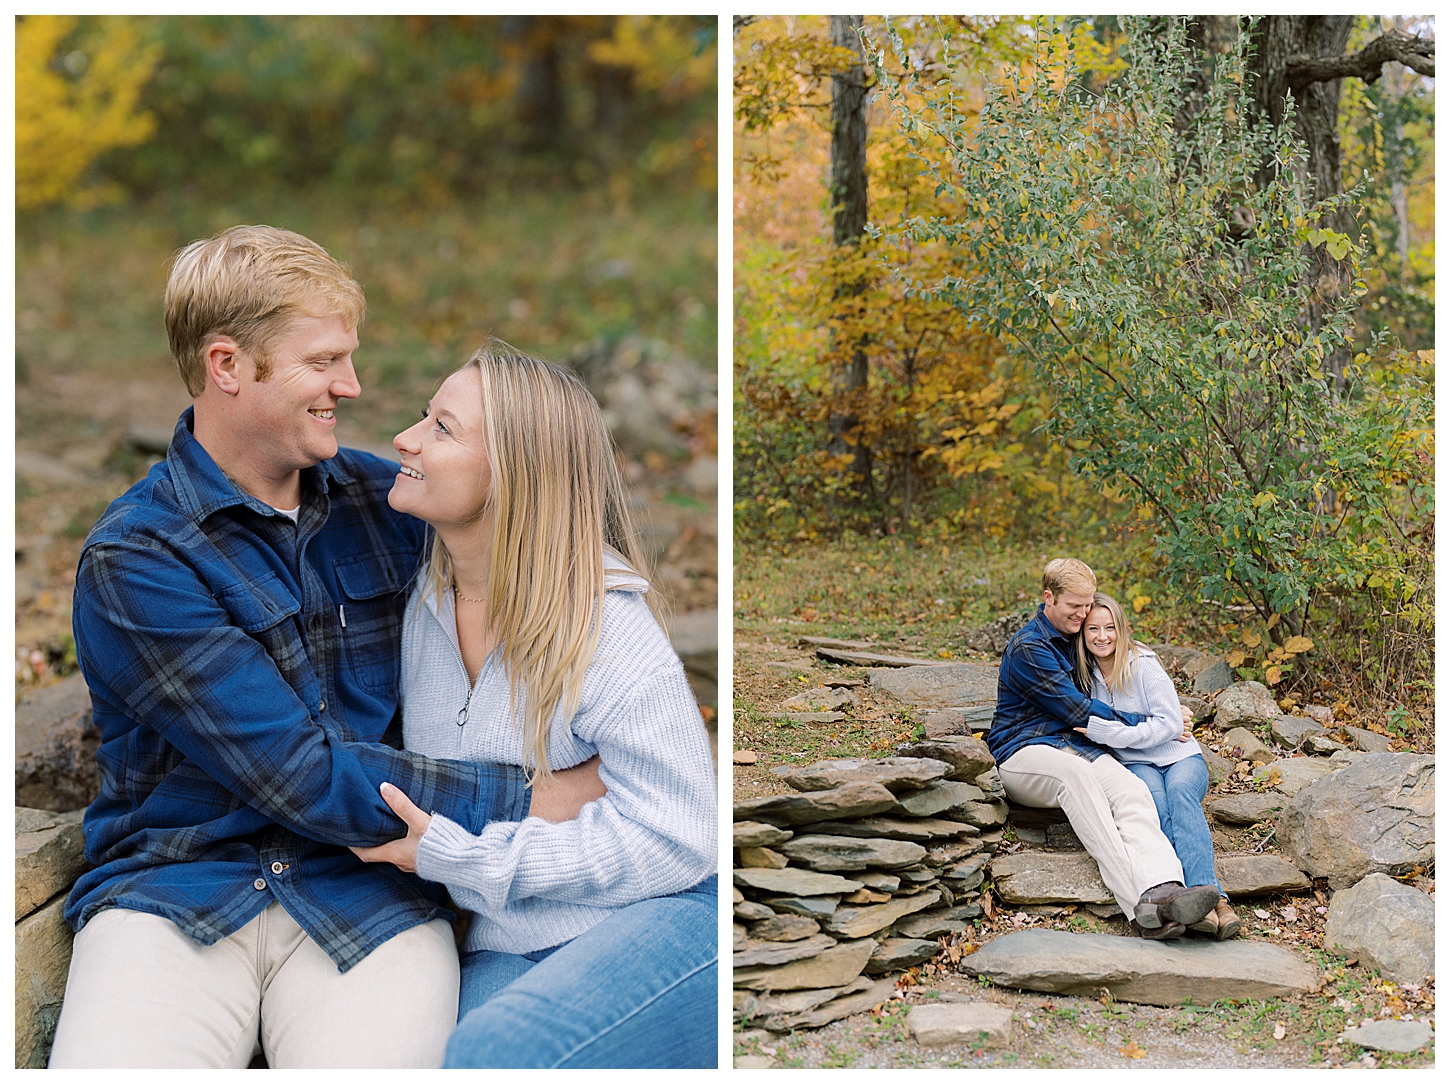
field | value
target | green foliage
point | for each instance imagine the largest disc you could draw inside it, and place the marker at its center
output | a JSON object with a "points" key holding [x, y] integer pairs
{"points": [[1165, 301], [425, 108]]}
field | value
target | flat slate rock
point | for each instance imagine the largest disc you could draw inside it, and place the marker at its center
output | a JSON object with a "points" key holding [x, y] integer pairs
{"points": [[1367, 740], [871, 658], [755, 834], [958, 722], [55, 748], [1146, 972], [794, 882], [942, 797], [967, 756], [848, 800], [1212, 678], [1296, 773], [748, 1002], [896, 774], [1247, 746], [1245, 809], [811, 716], [978, 1024], [762, 858], [1046, 877], [827, 852], [899, 953], [947, 685], [833, 967], [817, 907], [1245, 875], [49, 856], [1289, 731], [829, 641], [764, 953], [864, 921], [836, 1009], [774, 927], [915, 829], [1396, 1036]]}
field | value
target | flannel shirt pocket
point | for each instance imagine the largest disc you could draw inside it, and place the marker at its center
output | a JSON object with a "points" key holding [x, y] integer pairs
{"points": [[375, 589]]}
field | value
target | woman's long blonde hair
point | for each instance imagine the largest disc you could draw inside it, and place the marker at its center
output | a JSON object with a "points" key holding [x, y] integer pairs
{"points": [[1125, 653], [556, 501]]}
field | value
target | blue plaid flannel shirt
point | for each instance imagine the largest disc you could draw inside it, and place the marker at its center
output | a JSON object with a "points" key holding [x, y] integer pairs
{"points": [[1037, 702], [244, 676]]}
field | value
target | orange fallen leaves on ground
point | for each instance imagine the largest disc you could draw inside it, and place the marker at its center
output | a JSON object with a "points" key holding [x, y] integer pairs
{"points": [[1132, 1050]]}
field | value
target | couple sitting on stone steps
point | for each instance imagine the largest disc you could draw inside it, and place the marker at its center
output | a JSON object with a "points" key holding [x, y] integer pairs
{"points": [[1072, 687]]}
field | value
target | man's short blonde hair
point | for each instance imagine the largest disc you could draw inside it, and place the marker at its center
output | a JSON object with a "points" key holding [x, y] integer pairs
{"points": [[250, 283], [1068, 574]]}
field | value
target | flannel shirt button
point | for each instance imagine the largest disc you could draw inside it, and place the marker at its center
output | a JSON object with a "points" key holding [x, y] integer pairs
{"points": [[278, 867], [322, 704], [259, 884]]}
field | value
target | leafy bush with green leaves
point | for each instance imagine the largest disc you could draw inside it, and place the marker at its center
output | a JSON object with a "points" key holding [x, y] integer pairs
{"points": [[1166, 299]]}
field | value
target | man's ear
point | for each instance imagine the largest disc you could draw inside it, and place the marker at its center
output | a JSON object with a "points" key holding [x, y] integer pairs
{"points": [[1047, 596], [227, 364]]}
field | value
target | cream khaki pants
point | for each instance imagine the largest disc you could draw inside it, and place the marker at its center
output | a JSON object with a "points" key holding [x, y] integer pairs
{"points": [[142, 994], [1109, 808]]}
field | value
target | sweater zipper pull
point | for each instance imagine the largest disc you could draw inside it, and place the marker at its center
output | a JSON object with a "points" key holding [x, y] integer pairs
{"points": [[463, 715]]}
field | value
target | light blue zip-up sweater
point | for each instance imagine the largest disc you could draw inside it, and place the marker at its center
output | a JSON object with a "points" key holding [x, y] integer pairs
{"points": [[533, 885], [1149, 690]]}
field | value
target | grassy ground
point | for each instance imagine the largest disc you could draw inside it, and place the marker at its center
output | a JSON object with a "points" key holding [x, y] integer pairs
{"points": [[545, 273]]}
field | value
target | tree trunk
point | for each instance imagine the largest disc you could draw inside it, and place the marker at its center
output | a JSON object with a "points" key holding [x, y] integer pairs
{"points": [[848, 197]]}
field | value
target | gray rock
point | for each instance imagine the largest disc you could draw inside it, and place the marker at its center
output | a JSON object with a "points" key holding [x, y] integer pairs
{"points": [[945, 724], [949, 685], [872, 658], [1389, 926], [1244, 703], [1375, 816], [915, 829], [942, 797], [817, 907], [794, 882], [1188, 661], [736, 896], [776, 927], [965, 876], [1219, 768], [978, 1024], [1320, 714], [1146, 972], [848, 800], [1321, 745], [1212, 679], [928, 927], [1367, 740], [1396, 1036], [881, 882], [812, 716], [835, 1009], [991, 782], [1200, 707], [49, 856], [896, 774], [864, 921], [695, 636], [987, 814], [919, 876], [833, 967], [755, 834], [767, 953], [748, 1003], [819, 699], [742, 938], [1045, 877], [899, 953], [1290, 731], [751, 911], [753, 1061], [762, 858], [948, 854], [992, 638], [1036, 836], [1290, 775], [1343, 758], [969, 757], [42, 964], [1244, 809], [1248, 746], [55, 748], [825, 852], [1245, 875]]}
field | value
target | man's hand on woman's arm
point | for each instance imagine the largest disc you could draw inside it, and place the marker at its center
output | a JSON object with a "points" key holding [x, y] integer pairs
{"points": [[564, 793]]}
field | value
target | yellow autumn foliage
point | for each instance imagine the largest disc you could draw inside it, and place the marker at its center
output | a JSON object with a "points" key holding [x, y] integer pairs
{"points": [[63, 124]]}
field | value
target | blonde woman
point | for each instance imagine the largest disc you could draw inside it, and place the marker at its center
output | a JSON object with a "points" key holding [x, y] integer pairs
{"points": [[529, 640], [1127, 676]]}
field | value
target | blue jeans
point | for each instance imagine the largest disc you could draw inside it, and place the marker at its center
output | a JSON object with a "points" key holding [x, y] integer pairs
{"points": [[1178, 792], [637, 991]]}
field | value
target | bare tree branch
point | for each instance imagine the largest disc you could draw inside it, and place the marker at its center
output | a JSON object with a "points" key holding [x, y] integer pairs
{"points": [[1415, 53]]}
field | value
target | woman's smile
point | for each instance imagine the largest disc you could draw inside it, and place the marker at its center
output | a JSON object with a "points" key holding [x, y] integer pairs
{"points": [[1099, 633]]}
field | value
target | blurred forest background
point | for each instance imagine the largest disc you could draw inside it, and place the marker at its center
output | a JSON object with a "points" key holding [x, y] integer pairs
{"points": [[546, 179], [940, 347]]}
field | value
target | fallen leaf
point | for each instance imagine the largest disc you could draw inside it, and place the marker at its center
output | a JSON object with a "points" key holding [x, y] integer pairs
{"points": [[1132, 1050], [1261, 913], [1279, 1031]]}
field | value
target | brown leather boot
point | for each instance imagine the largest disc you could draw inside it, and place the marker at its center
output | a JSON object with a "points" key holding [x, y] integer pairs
{"points": [[1163, 933], [1172, 902], [1228, 922]]}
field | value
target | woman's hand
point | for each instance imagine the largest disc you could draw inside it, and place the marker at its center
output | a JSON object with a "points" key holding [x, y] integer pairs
{"points": [[402, 853], [1187, 722]]}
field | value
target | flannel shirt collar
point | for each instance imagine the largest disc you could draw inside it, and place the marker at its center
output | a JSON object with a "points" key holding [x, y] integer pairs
{"points": [[203, 488]]}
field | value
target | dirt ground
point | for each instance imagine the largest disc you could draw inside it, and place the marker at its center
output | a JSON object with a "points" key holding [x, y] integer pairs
{"points": [[1050, 1031]]}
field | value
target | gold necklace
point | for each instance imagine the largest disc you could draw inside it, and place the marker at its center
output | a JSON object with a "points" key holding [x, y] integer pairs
{"points": [[459, 594]]}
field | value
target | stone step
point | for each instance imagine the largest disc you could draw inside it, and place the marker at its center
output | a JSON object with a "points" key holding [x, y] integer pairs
{"points": [[944, 685], [1146, 972]]}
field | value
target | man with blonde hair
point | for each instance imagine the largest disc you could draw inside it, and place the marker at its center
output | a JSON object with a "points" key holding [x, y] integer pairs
{"points": [[1045, 763], [237, 619]]}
